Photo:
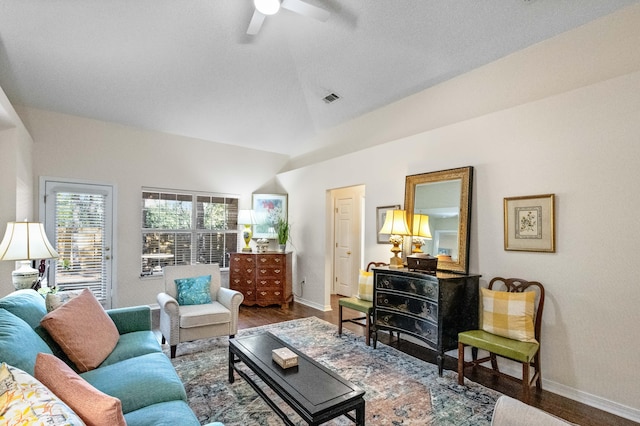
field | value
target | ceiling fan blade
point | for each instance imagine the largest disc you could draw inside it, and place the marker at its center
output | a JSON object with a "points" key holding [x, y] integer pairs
{"points": [[256, 22], [306, 9]]}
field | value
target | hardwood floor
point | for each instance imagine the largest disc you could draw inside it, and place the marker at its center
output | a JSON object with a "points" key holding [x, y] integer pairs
{"points": [[575, 412]]}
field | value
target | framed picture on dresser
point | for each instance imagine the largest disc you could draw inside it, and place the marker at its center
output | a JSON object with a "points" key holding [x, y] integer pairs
{"points": [[268, 208], [529, 223]]}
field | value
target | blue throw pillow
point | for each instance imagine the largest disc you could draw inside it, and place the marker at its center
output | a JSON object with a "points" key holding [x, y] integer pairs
{"points": [[194, 291]]}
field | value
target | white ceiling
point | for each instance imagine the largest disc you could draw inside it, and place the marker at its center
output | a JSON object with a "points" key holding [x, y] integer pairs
{"points": [[187, 67]]}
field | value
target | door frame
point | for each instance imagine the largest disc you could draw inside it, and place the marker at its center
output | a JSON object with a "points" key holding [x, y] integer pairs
{"points": [[114, 243]]}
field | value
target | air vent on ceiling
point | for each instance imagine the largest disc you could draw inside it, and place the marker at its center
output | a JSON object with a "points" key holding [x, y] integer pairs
{"points": [[331, 97]]}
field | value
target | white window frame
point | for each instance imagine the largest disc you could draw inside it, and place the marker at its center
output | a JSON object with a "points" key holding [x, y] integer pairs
{"points": [[151, 264]]}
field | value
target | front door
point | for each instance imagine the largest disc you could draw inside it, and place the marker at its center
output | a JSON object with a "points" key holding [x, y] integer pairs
{"points": [[78, 219]]}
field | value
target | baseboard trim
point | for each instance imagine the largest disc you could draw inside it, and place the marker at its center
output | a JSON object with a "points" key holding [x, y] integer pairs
{"points": [[325, 308], [592, 400]]}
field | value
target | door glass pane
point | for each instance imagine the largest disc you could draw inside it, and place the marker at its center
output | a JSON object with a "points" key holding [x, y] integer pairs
{"points": [[80, 241]]}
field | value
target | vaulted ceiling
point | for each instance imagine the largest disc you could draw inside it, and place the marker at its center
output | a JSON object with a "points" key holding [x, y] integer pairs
{"points": [[188, 67]]}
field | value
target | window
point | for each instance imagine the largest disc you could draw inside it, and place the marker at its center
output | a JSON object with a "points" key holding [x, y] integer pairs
{"points": [[181, 228]]}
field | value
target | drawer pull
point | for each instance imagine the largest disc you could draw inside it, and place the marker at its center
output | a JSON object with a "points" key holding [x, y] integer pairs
{"points": [[277, 271], [263, 293]]}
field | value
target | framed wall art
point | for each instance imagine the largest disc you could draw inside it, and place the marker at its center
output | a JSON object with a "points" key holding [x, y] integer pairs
{"points": [[529, 223], [381, 214], [268, 208]]}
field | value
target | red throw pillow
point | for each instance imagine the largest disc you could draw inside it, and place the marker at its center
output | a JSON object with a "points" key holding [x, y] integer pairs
{"points": [[94, 407], [83, 329]]}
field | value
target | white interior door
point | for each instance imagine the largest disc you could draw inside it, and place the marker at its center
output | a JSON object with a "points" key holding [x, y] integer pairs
{"points": [[347, 239], [79, 221]]}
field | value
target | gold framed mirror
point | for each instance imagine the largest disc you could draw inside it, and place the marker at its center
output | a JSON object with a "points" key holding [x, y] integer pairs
{"points": [[444, 196]]}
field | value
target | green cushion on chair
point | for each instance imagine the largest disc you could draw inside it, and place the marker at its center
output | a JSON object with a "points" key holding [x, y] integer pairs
{"points": [[356, 304], [509, 348]]}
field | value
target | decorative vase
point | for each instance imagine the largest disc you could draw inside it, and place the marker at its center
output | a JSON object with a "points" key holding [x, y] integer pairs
{"points": [[282, 248]]}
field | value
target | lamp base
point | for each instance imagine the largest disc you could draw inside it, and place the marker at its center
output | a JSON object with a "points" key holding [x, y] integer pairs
{"points": [[246, 236], [396, 263], [25, 276]]}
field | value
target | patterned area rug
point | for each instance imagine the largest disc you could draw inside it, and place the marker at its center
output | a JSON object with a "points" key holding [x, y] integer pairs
{"points": [[400, 389]]}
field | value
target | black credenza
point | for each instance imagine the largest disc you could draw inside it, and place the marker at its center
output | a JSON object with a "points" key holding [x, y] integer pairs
{"points": [[432, 308]]}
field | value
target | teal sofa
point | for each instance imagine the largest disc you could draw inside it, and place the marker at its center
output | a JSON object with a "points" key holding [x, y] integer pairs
{"points": [[137, 371]]}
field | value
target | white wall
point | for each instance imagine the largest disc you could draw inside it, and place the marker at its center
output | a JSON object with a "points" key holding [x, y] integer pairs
{"points": [[78, 148], [16, 181], [579, 140]]}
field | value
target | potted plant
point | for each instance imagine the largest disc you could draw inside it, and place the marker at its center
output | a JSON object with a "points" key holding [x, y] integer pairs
{"points": [[282, 229]]}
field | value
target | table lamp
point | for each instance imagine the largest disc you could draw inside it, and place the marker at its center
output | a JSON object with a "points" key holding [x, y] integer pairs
{"points": [[395, 224], [24, 242], [421, 231], [248, 219]]}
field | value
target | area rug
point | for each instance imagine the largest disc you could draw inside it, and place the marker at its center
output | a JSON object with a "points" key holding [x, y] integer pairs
{"points": [[400, 389]]}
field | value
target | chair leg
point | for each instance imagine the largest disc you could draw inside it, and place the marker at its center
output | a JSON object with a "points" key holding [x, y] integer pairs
{"points": [[367, 329], [494, 362], [460, 363], [173, 350], [340, 320], [538, 371], [526, 386]]}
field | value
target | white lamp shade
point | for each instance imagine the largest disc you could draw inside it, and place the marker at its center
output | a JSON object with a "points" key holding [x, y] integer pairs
{"points": [[395, 223], [246, 217], [267, 7], [421, 226], [26, 241]]}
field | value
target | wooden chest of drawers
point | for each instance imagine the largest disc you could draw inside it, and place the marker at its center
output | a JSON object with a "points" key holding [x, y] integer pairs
{"points": [[263, 278], [431, 308]]}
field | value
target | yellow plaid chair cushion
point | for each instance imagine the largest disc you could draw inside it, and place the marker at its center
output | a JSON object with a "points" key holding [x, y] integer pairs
{"points": [[508, 314], [365, 285]]}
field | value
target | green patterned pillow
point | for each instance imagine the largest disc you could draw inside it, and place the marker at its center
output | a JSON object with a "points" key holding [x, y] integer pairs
{"points": [[194, 291]]}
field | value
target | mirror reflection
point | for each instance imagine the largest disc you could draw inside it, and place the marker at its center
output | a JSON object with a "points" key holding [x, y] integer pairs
{"points": [[441, 202], [445, 197]]}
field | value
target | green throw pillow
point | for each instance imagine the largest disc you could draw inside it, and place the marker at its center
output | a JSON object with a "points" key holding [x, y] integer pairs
{"points": [[194, 291]]}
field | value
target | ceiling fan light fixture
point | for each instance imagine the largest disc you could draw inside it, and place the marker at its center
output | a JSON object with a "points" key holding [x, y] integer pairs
{"points": [[267, 7]]}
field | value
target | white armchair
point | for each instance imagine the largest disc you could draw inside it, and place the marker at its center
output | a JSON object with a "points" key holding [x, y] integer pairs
{"points": [[192, 322]]}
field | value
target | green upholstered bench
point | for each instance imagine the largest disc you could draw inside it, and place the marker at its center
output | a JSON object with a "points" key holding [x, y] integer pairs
{"points": [[359, 305]]}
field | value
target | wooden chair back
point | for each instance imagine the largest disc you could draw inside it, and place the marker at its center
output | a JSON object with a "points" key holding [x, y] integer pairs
{"points": [[370, 264]]}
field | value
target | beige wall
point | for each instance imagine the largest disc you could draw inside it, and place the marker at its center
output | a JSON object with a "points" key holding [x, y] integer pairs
{"points": [[16, 178], [78, 148], [576, 133]]}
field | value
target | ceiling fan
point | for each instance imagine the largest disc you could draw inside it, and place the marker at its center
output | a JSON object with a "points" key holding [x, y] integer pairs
{"points": [[264, 8]]}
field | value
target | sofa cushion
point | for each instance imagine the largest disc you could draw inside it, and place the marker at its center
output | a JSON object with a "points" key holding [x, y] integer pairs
{"points": [[24, 400], [93, 406], [194, 291], [208, 314], [131, 345], [19, 344], [26, 304], [170, 413], [508, 314], [141, 381], [83, 330]]}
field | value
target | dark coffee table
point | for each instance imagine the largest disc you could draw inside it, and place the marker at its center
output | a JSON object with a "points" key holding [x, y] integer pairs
{"points": [[316, 393]]}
